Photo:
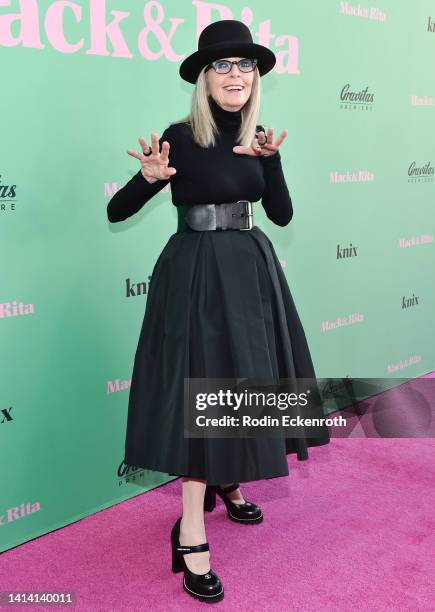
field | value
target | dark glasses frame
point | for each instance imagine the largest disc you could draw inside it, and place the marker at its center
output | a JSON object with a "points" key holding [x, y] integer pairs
{"points": [[231, 62]]}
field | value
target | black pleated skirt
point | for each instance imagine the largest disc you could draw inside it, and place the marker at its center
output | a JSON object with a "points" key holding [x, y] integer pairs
{"points": [[218, 306]]}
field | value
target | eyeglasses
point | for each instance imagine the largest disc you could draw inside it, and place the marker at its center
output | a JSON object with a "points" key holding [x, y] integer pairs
{"points": [[225, 66]]}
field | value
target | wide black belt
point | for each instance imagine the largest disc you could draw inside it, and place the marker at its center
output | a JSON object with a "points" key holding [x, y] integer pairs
{"points": [[229, 215]]}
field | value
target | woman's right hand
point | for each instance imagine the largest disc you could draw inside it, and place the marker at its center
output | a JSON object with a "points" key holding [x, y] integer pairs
{"points": [[155, 166]]}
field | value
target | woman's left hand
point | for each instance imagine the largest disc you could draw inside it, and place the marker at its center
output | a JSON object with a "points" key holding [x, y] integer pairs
{"points": [[264, 150]]}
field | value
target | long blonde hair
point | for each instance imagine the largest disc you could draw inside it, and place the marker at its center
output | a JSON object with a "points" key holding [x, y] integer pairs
{"points": [[204, 128]]}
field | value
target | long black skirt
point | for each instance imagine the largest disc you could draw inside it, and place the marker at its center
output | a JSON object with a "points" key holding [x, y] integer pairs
{"points": [[218, 306]]}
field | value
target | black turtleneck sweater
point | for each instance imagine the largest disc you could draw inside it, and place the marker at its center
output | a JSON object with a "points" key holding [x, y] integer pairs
{"points": [[210, 175]]}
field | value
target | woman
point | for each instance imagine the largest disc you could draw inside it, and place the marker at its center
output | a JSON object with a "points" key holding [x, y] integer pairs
{"points": [[218, 303]]}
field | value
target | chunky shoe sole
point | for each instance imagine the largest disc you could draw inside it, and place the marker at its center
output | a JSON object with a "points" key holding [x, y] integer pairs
{"points": [[247, 521], [206, 598]]}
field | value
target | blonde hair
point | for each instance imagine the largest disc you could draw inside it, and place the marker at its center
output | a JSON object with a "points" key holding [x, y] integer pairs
{"points": [[204, 128]]}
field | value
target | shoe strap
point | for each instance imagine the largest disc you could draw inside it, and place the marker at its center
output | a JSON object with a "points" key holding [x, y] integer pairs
{"points": [[230, 488], [185, 550]]}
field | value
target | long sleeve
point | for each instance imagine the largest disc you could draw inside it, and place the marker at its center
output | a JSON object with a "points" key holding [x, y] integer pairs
{"points": [[276, 198], [203, 175], [133, 195]]}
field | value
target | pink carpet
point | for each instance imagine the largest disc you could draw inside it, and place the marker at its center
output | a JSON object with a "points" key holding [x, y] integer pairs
{"points": [[350, 529]]}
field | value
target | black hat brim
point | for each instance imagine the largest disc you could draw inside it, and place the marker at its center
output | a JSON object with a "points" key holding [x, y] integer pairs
{"points": [[192, 65]]}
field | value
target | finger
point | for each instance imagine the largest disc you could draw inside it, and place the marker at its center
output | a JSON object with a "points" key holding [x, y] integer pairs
{"points": [[155, 143], [255, 145], [281, 137], [134, 154], [166, 172], [145, 148], [243, 150], [261, 136], [169, 171], [269, 151], [164, 155]]}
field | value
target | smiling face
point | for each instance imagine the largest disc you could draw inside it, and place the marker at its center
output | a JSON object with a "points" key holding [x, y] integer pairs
{"points": [[218, 86]]}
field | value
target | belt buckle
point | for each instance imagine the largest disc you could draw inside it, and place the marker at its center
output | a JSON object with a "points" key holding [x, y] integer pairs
{"points": [[249, 215]]}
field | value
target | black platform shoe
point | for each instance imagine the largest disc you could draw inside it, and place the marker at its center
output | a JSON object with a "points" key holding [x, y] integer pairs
{"points": [[242, 513], [206, 587]]}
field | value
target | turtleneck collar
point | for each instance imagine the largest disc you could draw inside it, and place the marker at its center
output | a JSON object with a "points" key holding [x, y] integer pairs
{"points": [[225, 120]]}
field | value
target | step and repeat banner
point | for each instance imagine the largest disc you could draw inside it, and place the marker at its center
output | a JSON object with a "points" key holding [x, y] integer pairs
{"points": [[81, 81]]}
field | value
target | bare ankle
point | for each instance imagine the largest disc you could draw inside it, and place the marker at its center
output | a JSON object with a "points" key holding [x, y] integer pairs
{"points": [[192, 524]]}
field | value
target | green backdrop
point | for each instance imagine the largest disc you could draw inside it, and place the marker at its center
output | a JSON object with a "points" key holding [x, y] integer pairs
{"points": [[81, 81]]}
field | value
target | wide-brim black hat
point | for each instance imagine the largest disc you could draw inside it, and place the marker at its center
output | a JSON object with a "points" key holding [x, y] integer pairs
{"points": [[225, 38]]}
